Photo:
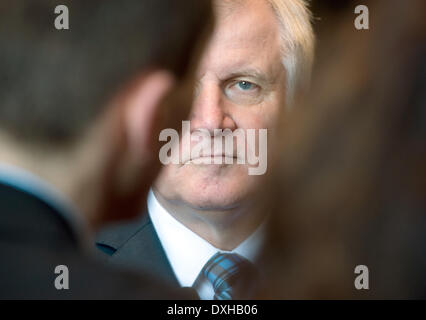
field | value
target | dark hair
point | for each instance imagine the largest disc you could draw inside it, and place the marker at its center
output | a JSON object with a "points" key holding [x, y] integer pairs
{"points": [[54, 83]]}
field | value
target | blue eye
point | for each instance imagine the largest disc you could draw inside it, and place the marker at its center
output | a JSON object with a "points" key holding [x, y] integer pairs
{"points": [[245, 85], [243, 92]]}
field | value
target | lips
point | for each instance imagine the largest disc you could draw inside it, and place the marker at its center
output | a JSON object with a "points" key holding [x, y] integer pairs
{"points": [[211, 157]]}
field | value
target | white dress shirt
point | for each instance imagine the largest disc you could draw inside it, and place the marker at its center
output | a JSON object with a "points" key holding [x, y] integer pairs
{"points": [[188, 253]]}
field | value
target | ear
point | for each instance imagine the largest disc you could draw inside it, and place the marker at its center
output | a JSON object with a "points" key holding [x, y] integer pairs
{"points": [[142, 110]]}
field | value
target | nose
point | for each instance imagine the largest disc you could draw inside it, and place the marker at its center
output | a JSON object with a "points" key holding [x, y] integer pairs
{"points": [[209, 110]]}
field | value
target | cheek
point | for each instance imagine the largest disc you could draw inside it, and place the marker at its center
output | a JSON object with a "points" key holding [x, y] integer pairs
{"points": [[263, 116]]}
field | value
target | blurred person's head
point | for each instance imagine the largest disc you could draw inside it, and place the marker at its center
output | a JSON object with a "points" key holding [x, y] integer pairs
{"points": [[83, 107], [349, 187], [257, 60]]}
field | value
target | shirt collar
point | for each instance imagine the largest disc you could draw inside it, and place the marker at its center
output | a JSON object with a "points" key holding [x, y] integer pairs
{"points": [[186, 251], [30, 183]]}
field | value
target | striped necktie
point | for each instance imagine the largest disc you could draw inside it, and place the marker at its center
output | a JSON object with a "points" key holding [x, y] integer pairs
{"points": [[232, 276]]}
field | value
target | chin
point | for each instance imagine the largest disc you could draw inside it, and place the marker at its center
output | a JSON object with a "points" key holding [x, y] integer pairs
{"points": [[207, 187], [214, 200]]}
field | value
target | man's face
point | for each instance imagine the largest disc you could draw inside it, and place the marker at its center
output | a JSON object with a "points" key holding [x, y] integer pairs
{"points": [[240, 86]]}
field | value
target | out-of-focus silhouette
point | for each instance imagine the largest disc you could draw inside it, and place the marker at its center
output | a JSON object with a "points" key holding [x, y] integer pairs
{"points": [[80, 113], [350, 186]]}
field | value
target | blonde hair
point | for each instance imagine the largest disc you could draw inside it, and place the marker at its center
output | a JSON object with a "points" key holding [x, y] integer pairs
{"points": [[298, 42]]}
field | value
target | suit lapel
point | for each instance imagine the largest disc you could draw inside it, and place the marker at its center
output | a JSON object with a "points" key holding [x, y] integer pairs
{"points": [[137, 246]]}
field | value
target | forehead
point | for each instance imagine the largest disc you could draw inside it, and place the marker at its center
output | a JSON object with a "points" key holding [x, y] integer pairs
{"points": [[246, 35]]}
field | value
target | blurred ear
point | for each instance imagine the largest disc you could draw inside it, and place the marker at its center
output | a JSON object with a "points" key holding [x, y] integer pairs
{"points": [[142, 111]]}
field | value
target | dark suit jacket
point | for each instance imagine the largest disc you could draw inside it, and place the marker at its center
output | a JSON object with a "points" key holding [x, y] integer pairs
{"points": [[136, 245], [35, 238]]}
